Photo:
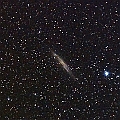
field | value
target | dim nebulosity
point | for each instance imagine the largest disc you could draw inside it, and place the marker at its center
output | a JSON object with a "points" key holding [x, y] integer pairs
{"points": [[34, 85], [64, 65]]}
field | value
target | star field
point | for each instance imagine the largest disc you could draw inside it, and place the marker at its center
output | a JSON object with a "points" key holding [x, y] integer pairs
{"points": [[34, 86]]}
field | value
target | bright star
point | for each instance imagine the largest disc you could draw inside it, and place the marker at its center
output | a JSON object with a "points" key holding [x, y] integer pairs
{"points": [[8, 98], [117, 76], [106, 73]]}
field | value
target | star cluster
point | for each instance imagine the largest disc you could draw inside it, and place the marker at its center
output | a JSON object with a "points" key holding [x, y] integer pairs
{"points": [[34, 86]]}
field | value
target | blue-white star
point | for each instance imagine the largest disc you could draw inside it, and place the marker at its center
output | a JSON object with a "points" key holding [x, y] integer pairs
{"points": [[106, 73]]}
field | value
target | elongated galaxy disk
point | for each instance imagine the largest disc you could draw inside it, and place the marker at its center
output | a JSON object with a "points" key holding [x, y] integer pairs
{"points": [[64, 65]]}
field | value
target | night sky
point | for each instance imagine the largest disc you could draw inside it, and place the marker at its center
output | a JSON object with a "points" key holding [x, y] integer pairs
{"points": [[36, 36]]}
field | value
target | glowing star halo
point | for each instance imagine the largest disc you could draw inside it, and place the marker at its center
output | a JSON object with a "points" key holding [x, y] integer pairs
{"points": [[65, 66]]}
